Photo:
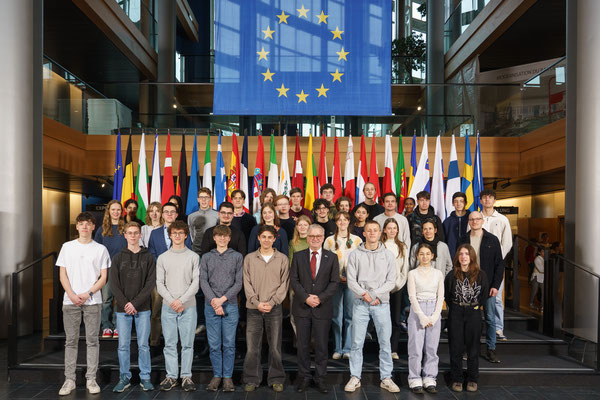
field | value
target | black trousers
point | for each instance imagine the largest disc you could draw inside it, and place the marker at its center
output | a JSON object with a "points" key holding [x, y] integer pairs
{"points": [[396, 314], [257, 323], [320, 333], [464, 332]]}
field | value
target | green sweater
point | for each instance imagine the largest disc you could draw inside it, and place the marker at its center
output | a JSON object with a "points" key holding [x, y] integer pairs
{"points": [[301, 245]]}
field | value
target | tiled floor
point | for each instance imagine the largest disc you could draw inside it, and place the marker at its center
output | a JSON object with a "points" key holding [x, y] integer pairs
{"points": [[45, 391]]}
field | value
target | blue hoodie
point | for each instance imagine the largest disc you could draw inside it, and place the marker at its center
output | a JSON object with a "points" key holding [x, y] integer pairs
{"points": [[455, 227]]}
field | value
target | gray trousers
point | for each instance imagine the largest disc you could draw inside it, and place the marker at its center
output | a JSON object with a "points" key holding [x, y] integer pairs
{"points": [[422, 348], [72, 322]]}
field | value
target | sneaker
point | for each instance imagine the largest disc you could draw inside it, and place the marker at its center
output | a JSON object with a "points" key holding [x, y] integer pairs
{"points": [[336, 356], [214, 384], [200, 329], [403, 327], [146, 385], [168, 384], [121, 385], [278, 387], [352, 385], [187, 384], [249, 387], [417, 389], [67, 387], [431, 389], [389, 385], [107, 333], [395, 356], [472, 387], [228, 385], [500, 336], [465, 357], [491, 356], [115, 334], [457, 387], [346, 356], [92, 387]]}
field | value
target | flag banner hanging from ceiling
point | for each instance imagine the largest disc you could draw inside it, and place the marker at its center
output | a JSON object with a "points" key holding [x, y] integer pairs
{"points": [[301, 57]]}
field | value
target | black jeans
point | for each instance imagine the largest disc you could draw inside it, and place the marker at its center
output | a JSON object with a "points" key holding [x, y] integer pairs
{"points": [[396, 314], [317, 330], [257, 322], [464, 332]]}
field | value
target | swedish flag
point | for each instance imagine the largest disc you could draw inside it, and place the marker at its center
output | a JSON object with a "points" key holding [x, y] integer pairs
{"points": [[298, 57]]}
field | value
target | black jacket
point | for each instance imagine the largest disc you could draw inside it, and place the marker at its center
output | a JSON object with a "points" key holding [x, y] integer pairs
{"points": [[454, 228], [237, 242], [490, 256], [245, 223], [132, 278], [415, 221], [324, 285], [474, 294]]}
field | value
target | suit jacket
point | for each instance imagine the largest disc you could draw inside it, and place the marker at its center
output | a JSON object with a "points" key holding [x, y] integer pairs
{"points": [[157, 244], [324, 285]]}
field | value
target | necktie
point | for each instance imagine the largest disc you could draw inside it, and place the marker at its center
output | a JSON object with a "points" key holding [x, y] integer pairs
{"points": [[313, 264]]}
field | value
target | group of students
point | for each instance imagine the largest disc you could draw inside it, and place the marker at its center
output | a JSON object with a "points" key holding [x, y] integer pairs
{"points": [[339, 269]]}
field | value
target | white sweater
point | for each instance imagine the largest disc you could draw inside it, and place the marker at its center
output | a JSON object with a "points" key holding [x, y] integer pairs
{"points": [[426, 284], [401, 263]]}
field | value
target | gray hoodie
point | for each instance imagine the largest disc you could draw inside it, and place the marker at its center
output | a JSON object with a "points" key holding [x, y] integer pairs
{"points": [[372, 271]]}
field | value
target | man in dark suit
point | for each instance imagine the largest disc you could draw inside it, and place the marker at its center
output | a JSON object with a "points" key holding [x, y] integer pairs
{"points": [[314, 276]]}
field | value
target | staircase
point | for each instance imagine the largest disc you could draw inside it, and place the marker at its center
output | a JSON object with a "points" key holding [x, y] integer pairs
{"points": [[527, 358]]}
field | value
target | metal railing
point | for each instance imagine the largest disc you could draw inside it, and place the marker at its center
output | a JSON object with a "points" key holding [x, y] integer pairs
{"points": [[13, 326]]}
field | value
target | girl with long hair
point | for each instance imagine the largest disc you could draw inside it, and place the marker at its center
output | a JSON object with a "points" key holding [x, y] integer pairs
{"points": [[389, 238], [268, 216], [110, 234], [342, 243], [466, 288], [154, 220], [266, 196], [361, 213], [426, 293], [180, 210]]}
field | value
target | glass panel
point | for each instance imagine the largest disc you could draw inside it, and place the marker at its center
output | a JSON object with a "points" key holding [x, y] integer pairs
{"points": [[460, 18], [142, 16]]}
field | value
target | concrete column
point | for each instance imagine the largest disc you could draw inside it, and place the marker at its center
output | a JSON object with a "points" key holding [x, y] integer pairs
{"points": [[21, 156], [167, 21], [435, 67], [583, 162]]}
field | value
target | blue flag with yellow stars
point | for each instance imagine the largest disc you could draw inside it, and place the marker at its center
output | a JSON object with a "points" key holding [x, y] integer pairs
{"points": [[303, 57]]}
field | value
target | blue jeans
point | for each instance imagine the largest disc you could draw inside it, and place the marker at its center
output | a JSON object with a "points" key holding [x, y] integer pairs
{"points": [[184, 323], [499, 308], [142, 330], [489, 312], [342, 319], [220, 331], [361, 313]]}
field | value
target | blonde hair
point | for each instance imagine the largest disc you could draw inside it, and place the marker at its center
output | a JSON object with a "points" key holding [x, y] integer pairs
{"points": [[296, 237], [158, 206], [106, 220]]}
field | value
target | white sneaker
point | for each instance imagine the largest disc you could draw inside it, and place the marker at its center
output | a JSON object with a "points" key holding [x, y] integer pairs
{"points": [[67, 387], [395, 356], [200, 329], [352, 385], [92, 386], [389, 385], [336, 356], [346, 356]]}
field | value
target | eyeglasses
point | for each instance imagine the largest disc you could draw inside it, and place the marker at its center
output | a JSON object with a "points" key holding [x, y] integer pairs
{"points": [[225, 213], [134, 233], [476, 219], [322, 209], [204, 197], [170, 212], [177, 233], [315, 236]]}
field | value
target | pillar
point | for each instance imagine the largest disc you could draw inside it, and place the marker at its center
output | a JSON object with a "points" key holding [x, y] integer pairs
{"points": [[435, 67], [583, 147], [166, 21], [21, 157]]}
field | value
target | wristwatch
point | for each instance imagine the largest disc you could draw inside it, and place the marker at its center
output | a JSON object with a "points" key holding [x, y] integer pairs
{"points": [[91, 293]]}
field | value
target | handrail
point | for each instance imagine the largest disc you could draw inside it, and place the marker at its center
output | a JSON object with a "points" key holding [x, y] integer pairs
{"points": [[13, 326], [578, 266]]}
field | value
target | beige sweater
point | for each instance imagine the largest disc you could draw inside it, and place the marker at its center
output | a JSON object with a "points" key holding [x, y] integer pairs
{"points": [[265, 282]]}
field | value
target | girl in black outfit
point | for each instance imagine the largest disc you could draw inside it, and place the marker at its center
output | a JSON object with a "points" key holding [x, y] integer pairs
{"points": [[466, 290]]}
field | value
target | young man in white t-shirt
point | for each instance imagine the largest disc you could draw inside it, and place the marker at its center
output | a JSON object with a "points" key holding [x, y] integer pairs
{"points": [[83, 267]]}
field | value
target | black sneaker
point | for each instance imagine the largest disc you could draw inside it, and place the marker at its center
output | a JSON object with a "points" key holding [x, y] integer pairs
{"points": [[491, 356], [168, 384], [431, 389], [417, 389], [187, 384]]}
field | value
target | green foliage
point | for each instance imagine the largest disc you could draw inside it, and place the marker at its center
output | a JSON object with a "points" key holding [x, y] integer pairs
{"points": [[408, 53]]}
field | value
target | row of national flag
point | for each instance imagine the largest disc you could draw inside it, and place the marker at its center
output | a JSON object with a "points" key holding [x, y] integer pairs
{"points": [[395, 180]]}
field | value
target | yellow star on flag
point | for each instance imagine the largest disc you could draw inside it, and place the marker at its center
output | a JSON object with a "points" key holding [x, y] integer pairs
{"points": [[268, 75], [302, 12], [342, 54], [262, 53], [336, 34], [322, 91], [282, 90], [336, 75], [283, 17], [269, 33], [301, 96], [322, 17]]}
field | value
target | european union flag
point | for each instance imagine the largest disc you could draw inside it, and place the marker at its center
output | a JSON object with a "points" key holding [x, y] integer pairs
{"points": [[303, 57]]}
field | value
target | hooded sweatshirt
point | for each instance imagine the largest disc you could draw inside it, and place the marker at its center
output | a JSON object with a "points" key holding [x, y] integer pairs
{"points": [[372, 271], [132, 278], [416, 219]]}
